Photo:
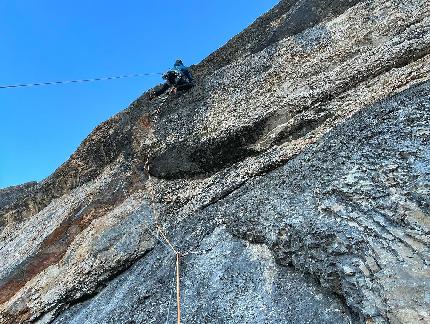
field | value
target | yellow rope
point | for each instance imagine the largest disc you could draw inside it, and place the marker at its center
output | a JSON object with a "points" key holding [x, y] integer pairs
{"points": [[164, 239], [178, 290], [167, 241]]}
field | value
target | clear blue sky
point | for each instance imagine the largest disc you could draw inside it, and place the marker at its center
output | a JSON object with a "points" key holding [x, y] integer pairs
{"points": [[46, 40]]}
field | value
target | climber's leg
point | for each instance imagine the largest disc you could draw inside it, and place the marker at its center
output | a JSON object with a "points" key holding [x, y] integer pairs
{"points": [[158, 90]]}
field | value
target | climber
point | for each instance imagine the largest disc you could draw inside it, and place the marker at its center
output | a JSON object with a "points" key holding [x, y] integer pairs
{"points": [[178, 78]]}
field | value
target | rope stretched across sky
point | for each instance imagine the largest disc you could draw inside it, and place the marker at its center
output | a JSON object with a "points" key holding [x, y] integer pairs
{"points": [[77, 81]]}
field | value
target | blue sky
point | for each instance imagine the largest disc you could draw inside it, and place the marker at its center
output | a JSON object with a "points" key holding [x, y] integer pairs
{"points": [[47, 40]]}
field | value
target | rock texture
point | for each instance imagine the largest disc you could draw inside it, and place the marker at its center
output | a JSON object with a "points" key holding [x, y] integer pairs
{"points": [[294, 178]]}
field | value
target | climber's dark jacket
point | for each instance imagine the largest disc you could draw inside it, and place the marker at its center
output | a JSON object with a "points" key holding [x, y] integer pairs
{"points": [[181, 68], [178, 77]]}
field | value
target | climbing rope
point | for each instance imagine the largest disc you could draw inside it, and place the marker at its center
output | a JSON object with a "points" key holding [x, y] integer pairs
{"points": [[77, 81], [166, 242], [161, 236]]}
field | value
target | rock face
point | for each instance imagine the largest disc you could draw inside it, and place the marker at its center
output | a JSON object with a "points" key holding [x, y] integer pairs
{"points": [[294, 179]]}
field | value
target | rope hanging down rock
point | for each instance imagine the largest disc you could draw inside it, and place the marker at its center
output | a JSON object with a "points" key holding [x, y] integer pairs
{"points": [[166, 242], [160, 235]]}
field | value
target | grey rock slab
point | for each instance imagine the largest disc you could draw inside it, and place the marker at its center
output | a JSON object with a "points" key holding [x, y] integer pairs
{"points": [[231, 282]]}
